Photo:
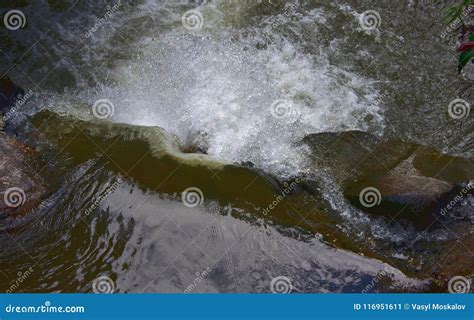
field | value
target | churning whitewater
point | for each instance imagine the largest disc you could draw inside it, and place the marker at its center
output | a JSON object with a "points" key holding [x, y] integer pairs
{"points": [[248, 101]]}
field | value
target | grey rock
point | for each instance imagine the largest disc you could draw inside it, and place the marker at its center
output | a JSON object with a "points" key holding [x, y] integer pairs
{"points": [[411, 179]]}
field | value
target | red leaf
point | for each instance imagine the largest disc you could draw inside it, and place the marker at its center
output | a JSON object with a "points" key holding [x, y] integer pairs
{"points": [[466, 46]]}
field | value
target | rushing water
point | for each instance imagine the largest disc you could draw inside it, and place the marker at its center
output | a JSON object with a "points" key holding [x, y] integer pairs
{"points": [[221, 85]]}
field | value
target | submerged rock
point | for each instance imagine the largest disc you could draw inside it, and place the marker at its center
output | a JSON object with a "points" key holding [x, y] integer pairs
{"points": [[156, 159], [390, 177], [20, 187]]}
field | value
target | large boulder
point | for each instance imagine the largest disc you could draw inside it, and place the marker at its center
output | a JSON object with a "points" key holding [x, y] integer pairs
{"points": [[20, 187], [391, 177]]}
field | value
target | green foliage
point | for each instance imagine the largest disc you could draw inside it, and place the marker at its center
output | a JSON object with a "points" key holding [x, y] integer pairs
{"points": [[464, 59], [466, 56], [455, 13]]}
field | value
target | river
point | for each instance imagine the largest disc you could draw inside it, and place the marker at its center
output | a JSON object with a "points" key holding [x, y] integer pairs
{"points": [[235, 87]]}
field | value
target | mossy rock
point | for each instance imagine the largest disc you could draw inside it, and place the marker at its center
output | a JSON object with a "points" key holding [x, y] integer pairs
{"points": [[412, 180]]}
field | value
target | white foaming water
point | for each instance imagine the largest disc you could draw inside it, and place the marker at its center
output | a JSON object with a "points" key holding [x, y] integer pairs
{"points": [[191, 83]]}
